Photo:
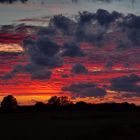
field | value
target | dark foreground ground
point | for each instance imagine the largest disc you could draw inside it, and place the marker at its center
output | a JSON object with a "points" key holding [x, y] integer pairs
{"points": [[72, 125]]}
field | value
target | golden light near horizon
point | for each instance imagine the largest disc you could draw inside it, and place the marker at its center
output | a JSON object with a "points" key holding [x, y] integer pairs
{"points": [[10, 48]]}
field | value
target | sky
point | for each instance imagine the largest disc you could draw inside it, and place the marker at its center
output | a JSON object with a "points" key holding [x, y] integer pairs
{"points": [[92, 56], [39, 8]]}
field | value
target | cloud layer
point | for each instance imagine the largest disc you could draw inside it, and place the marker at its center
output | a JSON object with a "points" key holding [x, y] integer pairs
{"points": [[85, 90], [126, 83]]}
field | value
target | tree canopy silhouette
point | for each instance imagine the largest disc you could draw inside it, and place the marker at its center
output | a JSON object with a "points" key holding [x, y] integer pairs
{"points": [[58, 101], [9, 103]]}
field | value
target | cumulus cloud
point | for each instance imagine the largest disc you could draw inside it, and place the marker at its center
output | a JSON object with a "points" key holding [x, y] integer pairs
{"points": [[12, 1], [63, 24], [99, 28], [72, 49], [85, 90], [43, 55], [46, 31], [103, 17], [126, 83], [43, 52], [79, 69]]}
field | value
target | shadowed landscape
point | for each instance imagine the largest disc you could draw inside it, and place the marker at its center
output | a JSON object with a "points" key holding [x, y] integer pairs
{"points": [[65, 120]]}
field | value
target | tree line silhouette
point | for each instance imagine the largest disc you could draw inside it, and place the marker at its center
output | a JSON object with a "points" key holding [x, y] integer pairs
{"points": [[10, 104]]}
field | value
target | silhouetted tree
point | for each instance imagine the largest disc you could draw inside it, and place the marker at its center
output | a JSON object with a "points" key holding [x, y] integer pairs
{"points": [[81, 103], [39, 106], [54, 101], [59, 101], [64, 101], [9, 103]]}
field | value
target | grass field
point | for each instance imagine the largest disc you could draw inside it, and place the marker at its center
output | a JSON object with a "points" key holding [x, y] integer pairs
{"points": [[64, 125]]}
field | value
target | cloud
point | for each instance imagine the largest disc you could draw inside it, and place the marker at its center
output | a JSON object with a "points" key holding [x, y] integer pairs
{"points": [[46, 31], [79, 69], [12, 73], [126, 83], [105, 18], [8, 76], [43, 55], [62, 23], [36, 72], [131, 25], [101, 28], [72, 49], [109, 64], [41, 74], [134, 36], [86, 17], [85, 90], [43, 52], [102, 16], [132, 21], [12, 1]]}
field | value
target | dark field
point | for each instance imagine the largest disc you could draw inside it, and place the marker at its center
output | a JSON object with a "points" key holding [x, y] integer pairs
{"points": [[70, 125]]}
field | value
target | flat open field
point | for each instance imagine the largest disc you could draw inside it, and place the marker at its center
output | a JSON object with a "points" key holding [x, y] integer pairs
{"points": [[70, 125]]}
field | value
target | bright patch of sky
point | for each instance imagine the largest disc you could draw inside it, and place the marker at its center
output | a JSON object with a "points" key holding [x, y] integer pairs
{"points": [[9, 13]]}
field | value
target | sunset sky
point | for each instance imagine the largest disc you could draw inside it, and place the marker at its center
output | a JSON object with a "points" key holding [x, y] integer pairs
{"points": [[91, 56]]}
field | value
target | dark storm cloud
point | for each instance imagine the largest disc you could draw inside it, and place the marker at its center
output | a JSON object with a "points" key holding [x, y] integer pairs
{"points": [[12, 1], [132, 21], [102, 22], [98, 28], [126, 83], [92, 37], [62, 23], [94, 27], [102, 16], [36, 72], [8, 76], [122, 45], [85, 90], [79, 69], [41, 75], [86, 17], [109, 64], [46, 31], [72, 49], [131, 26], [134, 36], [105, 18], [43, 55], [43, 52], [12, 73]]}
